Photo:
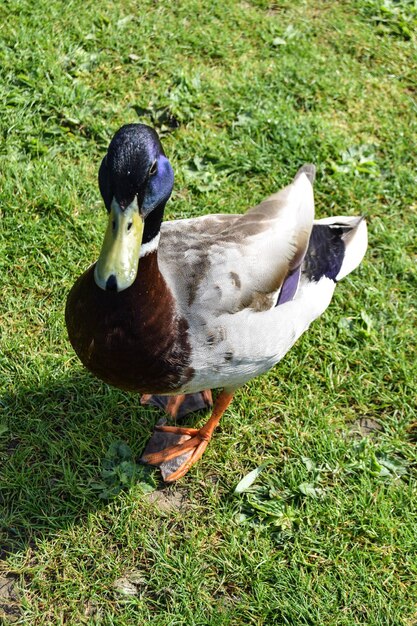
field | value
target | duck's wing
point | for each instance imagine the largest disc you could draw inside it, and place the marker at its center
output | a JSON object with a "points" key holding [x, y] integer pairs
{"points": [[231, 262], [228, 350]]}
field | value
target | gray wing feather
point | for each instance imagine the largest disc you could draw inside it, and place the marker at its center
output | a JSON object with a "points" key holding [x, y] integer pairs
{"points": [[225, 263]]}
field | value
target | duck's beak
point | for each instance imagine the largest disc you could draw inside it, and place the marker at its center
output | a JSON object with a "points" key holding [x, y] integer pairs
{"points": [[117, 265]]}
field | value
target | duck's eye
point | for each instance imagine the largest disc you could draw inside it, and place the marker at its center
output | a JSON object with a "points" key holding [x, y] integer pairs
{"points": [[154, 168]]}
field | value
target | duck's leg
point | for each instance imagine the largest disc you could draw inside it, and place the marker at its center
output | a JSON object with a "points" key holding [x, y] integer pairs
{"points": [[181, 405], [194, 446]]}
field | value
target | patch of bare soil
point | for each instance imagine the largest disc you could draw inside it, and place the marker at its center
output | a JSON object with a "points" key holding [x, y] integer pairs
{"points": [[365, 426], [166, 500], [9, 600]]}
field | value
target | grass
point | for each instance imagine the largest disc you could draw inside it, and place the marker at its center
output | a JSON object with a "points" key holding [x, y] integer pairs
{"points": [[242, 94]]}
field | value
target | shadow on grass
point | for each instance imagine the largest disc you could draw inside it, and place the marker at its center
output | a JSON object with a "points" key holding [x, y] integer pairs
{"points": [[53, 438]]}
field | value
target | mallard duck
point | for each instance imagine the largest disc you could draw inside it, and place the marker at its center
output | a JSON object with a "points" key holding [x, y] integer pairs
{"points": [[182, 307]]}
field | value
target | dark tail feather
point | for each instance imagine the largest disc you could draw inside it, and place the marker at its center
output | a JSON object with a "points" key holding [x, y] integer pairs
{"points": [[337, 246], [309, 170]]}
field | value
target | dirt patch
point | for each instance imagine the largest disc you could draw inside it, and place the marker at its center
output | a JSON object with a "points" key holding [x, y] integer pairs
{"points": [[365, 426], [131, 584], [167, 500], [9, 600]]}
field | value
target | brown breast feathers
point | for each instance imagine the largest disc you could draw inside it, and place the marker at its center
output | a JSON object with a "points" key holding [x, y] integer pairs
{"points": [[133, 339]]}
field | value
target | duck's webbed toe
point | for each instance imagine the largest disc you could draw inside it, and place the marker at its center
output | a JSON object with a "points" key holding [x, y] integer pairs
{"points": [[161, 440], [175, 449], [179, 406]]}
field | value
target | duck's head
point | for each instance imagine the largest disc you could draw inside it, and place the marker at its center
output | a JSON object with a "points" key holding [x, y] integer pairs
{"points": [[135, 180]]}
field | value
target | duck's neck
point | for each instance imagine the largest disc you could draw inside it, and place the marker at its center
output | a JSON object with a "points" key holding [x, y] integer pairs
{"points": [[149, 279], [150, 246], [149, 275], [152, 233], [152, 225]]}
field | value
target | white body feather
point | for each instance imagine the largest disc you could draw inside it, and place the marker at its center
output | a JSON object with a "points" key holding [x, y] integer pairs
{"points": [[226, 271]]}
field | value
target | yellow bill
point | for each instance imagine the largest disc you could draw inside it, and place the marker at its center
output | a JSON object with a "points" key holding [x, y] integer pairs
{"points": [[117, 265]]}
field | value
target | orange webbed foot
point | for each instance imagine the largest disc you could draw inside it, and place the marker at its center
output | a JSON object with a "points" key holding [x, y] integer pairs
{"points": [[175, 449]]}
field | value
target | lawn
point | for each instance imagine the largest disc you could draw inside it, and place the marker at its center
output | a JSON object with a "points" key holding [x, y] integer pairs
{"points": [[242, 93]]}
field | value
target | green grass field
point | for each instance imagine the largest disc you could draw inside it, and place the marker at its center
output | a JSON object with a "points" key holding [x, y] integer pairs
{"points": [[242, 93]]}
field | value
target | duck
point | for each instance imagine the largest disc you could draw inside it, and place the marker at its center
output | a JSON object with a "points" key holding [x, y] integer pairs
{"points": [[175, 309]]}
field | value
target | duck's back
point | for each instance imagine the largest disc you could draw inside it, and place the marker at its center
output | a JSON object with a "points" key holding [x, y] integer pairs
{"points": [[227, 263], [231, 348]]}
